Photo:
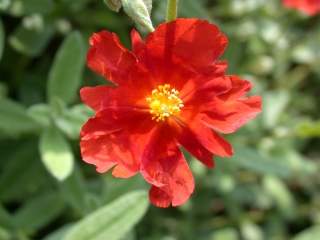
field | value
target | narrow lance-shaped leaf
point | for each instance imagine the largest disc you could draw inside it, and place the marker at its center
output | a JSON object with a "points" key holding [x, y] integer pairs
{"points": [[252, 160], [113, 221], [14, 118], [4, 5], [31, 41], [66, 72], [23, 173], [56, 154], [311, 233], [38, 212]]}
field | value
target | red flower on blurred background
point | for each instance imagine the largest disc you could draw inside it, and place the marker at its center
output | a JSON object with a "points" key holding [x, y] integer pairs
{"points": [[170, 92], [309, 7]]}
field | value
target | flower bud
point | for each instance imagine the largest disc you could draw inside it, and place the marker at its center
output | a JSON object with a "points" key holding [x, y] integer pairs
{"points": [[138, 10]]}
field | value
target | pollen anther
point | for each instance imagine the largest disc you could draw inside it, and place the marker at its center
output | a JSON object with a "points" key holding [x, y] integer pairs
{"points": [[164, 102]]}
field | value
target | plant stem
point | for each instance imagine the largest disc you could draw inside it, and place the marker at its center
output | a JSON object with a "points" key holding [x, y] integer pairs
{"points": [[172, 10]]}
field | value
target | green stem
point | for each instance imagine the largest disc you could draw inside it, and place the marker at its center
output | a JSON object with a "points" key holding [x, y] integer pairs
{"points": [[172, 10]]}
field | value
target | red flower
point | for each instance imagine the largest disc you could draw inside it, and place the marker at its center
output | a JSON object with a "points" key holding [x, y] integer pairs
{"points": [[309, 7], [170, 92]]}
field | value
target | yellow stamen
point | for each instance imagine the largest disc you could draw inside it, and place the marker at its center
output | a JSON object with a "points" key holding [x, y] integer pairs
{"points": [[164, 102]]}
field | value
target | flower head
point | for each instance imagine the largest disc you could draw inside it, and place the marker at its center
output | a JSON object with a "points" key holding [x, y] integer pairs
{"points": [[170, 91], [309, 7]]}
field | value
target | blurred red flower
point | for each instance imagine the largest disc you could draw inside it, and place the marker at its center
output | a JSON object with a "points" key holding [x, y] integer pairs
{"points": [[170, 91], [309, 7]]}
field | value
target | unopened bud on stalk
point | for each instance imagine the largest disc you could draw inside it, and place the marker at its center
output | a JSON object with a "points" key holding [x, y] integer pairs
{"points": [[138, 10]]}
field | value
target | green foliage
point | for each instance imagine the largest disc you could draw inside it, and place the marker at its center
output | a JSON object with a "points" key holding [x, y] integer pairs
{"points": [[269, 189], [27, 7], [309, 234], [42, 210], [56, 154], [31, 40], [112, 221], [66, 71], [1, 39], [14, 118]]}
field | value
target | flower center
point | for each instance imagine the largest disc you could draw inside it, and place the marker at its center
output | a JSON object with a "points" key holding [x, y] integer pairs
{"points": [[164, 102]]}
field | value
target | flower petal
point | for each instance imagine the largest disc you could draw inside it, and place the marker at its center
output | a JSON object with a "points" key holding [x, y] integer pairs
{"points": [[227, 117], [109, 58], [211, 140], [309, 7], [189, 140], [121, 171], [137, 43], [94, 97], [229, 111], [238, 89], [159, 197], [196, 42], [164, 166], [197, 95], [132, 93], [115, 136]]}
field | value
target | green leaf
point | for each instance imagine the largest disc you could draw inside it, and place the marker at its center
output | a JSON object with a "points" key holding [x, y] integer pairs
{"points": [[4, 4], [66, 72], [251, 231], [2, 35], [56, 154], [191, 8], [59, 234], [31, 41], [38, 212], [252, 160], [137, 10], [280, 194], [114, 5], [113, 221], [274, 104], [71, 120], [14, 119], [40, 113], [5, 218], [23, 172], [225, 234], [308, 129], [27, 7], [75, 5], [4, 234], [74, 192], [309, 234]]}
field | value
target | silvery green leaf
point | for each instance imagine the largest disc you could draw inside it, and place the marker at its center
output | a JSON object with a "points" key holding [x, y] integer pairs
{"points": [[112, 221], [309, 234], [31, 41], [138, 11], [56, 154], [4, 4], [66, 72], [14, 119]]}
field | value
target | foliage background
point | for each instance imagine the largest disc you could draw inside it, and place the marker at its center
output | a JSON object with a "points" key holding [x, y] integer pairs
{"points": [[270, 189]]}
